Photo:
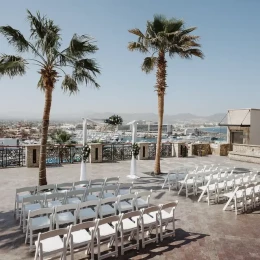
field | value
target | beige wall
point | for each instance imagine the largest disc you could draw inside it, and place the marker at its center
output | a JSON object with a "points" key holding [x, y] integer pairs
{"points": [[255, 127], [236, 117]]}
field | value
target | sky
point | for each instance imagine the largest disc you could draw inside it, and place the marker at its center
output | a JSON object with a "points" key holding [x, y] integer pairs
{"points": [[228, 77]]}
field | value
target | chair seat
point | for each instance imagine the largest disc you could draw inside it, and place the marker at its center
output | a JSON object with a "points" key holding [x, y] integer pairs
{"points": [[80, 188], [87, 213], [80, 237], [165, 215], [91, 197], [108, 195], [63, 190], [221, 185], [107, 210], [123, 192], [106, 230], [53, 203], [128, 224], [73, 200], [51, 244], [31, 207], [125, 206], [45, 193], [147, 219], [40, 222], [22, 196], [65, 217], [141, 203]]}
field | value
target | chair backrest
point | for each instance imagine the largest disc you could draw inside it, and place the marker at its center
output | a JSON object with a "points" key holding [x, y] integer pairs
{"points": [[131, 214], [39, 212], [150, 209], [108, 201], [107, 220], [76, 183], [67, 185], [75, 193], [98, 190], [126, 197], [84, 225], [169, 205], [55, 196], [88, 204], [29, 189], [46, 187], [66, 207], [53, 233], [112, 180], [33, 199], [110, 188], [124, 186], [97, 182]]}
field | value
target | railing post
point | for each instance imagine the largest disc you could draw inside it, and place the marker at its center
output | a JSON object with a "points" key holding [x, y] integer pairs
{"points": [[143, 153], [32, 152], [95, 153]]}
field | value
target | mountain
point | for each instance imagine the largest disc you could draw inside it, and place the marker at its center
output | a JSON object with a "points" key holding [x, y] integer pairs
{"points": [[184, 117]]}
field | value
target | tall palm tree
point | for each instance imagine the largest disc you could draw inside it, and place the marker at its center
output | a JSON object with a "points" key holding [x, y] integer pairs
{"points": [[61, 137], [44, 45], [163, 36]]}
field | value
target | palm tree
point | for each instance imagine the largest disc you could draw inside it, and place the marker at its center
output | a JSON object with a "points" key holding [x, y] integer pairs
{"points": [[163, 36], [44, 44], [61, 137]]}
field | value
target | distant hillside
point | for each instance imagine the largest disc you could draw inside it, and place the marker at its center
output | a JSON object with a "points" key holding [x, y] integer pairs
{"points": [[167, 118]]}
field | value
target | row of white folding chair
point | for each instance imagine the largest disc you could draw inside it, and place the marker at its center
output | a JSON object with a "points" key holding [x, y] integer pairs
{"points": [[62, 187], [118, 189], [244, 197], [82, 236], [217, 188], [69, 197]]}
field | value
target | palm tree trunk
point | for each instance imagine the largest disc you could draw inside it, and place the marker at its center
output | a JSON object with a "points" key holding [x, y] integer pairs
{"points": [[160, 87], [44, 137]]}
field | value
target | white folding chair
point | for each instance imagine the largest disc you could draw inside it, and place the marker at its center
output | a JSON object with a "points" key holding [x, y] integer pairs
{"points": [[30, 203], [126, 202], [50, 243], [19, 195], [81, 237], [257, 194], [46, 189], [189, 183], [38, 219], [239, 199], [95, 183], [249, 196], [54, 199], [65, 214], [88, 210], [148, 221], [75, 196], [107, 207], [105, 231], [64, 187], [142, 199], [112, 181], [125, 226], [165, 218], [80, 185], [93, 193], [125, 188], [110, 191]]}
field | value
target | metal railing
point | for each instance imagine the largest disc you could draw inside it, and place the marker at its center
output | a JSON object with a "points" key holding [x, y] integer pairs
{"points": [[116, 152], [166, 150], [12, 156]]}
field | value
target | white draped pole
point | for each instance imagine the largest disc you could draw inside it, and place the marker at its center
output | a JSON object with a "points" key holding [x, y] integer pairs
{"points": [[133, 160], [83, 169]]}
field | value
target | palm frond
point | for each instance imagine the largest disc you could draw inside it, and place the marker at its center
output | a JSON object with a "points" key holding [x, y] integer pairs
{"points": [[14, 38], [12, 65], [80, 46], [81, 75], [159, 23], [187, 54], [149, 64], [137, 46], [137, 32], [44, 32], [69, 85], [89, 65], [40, 84]]}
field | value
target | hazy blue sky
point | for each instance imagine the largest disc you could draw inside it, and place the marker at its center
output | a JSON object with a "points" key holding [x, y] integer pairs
{"points": [[228, 77]]}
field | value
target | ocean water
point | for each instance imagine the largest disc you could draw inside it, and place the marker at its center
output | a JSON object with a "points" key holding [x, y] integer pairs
{"points": [[216, 129]]}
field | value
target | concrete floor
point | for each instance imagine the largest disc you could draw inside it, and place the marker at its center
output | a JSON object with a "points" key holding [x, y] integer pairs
{"points": [[202, 231]]}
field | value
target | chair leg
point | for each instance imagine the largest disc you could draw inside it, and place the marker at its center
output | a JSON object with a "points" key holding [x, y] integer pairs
{"points": [[122, 243], [156, 230], [143, 244], [137, 238], [31, 238], [26, 235], [116, 244]]}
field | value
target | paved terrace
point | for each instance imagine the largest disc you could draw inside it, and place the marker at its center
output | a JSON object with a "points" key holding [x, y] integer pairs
{"points": [[202, 231]]}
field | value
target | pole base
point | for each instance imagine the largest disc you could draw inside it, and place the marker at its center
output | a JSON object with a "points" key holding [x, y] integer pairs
{"points": [[132, 176]]}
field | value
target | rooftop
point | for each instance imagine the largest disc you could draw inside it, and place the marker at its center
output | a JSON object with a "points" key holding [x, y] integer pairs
{"points": [[202, 231]]}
